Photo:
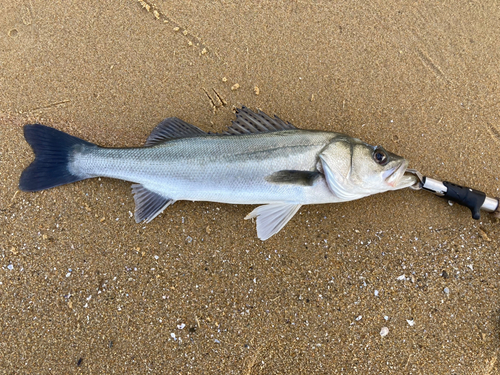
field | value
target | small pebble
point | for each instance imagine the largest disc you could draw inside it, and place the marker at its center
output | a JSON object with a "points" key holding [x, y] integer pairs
{"points": [[384, 331], [446, 290], [236, 86], [359, 318], [376, 293], [484, 236], [411, 322], [181, 326], [10, 267]]}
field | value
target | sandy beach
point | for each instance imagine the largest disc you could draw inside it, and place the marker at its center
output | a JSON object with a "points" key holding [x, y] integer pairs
{"points": [[396, 283]]}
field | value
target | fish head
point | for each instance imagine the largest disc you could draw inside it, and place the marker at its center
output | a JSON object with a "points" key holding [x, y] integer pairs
{"points": [[354, 169]]}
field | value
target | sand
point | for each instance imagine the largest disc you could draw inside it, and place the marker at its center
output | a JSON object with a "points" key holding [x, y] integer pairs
{"points": [[84, 289]]}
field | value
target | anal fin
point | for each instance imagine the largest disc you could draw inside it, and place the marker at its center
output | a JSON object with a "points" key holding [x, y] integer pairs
{"points": [[271, 218], [148, 204]]}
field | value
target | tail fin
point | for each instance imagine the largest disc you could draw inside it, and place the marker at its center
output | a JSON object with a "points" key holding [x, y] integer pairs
{"points": [[53, 149]]}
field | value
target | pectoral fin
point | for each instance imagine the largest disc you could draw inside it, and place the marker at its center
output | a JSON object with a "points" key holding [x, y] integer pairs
{"points": [[291, 177], [272, 217], [148, 204]]}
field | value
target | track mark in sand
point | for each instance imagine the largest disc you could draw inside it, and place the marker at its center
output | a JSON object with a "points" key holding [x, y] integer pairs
{"points": [[216, 102], [251, 362], [27, 13], [494, 132], [10, 204], [431, 65], [407, 362], [490, 365], [18, 22], [50, 105], [193, 40]]}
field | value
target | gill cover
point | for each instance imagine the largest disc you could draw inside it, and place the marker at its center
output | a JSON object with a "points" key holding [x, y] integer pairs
{"points": [[336, 161]]}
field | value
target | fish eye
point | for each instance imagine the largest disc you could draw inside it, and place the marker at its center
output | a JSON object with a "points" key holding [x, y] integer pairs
{"points": [[380, 156]]}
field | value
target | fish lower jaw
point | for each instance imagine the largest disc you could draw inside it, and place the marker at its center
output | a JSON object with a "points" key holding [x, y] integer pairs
{"points": [[396, 179], [403, 182]]}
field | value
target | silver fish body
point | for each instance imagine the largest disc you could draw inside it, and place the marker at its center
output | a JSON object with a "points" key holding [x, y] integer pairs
{"points": [[218, 168], [260, 160]]}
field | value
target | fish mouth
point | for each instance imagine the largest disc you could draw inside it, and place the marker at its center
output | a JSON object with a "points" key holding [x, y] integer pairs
{"points": [[393, 176]]}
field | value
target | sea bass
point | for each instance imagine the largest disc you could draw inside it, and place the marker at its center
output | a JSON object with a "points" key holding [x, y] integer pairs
{"points": [[257, 160]]}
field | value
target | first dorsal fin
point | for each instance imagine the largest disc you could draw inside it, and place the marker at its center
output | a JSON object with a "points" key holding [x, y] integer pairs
{"points": [[248, 122], [170, 128]]}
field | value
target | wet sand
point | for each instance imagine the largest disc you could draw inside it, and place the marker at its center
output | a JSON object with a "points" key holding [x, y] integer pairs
{"points": [[84, 289]]}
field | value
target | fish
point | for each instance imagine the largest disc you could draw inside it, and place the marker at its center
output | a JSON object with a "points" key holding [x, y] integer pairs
{"points": [[258, 160]]}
